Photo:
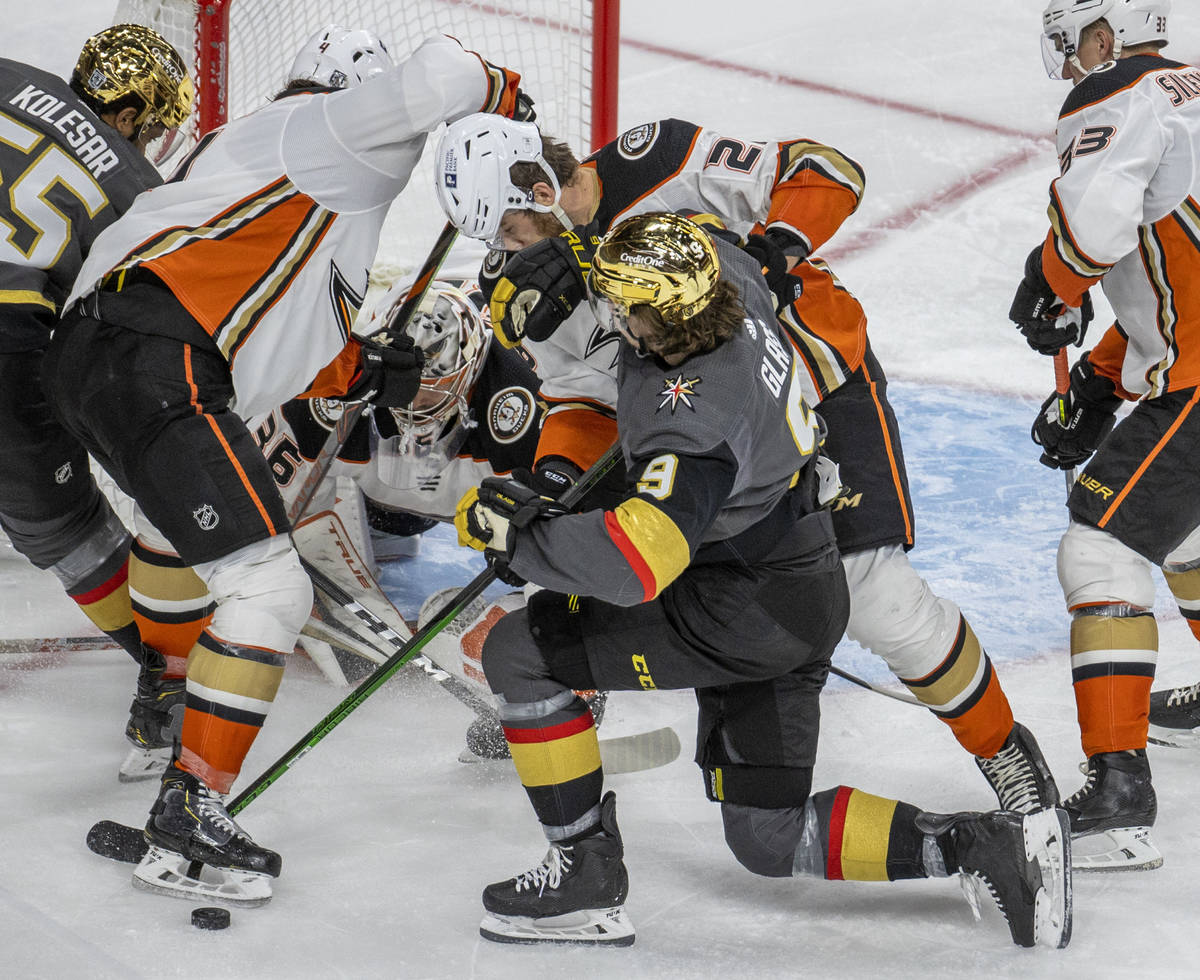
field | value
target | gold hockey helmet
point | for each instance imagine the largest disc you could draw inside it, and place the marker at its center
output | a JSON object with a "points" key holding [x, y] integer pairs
{"points": [[657, 259], [129, 59]]}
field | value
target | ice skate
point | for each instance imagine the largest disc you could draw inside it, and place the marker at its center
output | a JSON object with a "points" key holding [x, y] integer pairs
{"points": [[155, 721], [1175, 717], [198, 851], [576, 895], [1112, 813], [1023, 860], [1019, 775]]}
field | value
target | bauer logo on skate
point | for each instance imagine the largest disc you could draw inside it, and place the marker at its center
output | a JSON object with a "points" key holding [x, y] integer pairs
{"points": [[206, 517]]}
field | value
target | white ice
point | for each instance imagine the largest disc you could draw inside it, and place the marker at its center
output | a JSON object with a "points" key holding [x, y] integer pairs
{"points": [[387, 840]]}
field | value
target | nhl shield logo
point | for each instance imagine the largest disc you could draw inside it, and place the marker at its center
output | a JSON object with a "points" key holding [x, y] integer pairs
{"points": [[206, 517], [62, 474]]}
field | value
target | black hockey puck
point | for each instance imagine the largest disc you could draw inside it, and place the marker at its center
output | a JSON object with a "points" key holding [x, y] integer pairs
{"points": [[210, 918]]}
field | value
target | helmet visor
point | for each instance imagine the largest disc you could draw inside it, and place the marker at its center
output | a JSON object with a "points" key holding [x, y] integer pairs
{"points": [[1056, 47]]}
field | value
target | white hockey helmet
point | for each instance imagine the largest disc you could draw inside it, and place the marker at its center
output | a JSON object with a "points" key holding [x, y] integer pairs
{"points": [[1132, 22], [338, 57], [452, 331], [471, 173], [1139, 21]]}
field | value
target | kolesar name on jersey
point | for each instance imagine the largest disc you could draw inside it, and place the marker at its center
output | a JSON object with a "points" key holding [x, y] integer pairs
{"points": [[80, 135]]}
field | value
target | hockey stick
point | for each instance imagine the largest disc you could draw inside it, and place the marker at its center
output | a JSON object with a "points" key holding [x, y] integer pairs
{"points": [[123, 843], [904, 698], [1062, 385]]}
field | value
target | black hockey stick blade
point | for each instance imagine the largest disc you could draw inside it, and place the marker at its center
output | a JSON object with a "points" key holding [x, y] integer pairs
{"points": [[117, 841]]}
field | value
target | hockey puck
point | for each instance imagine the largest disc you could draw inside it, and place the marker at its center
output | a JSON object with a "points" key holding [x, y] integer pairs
{"points": [[210, 918]]}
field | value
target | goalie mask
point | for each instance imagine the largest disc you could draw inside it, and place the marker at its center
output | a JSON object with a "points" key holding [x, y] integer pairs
{"points": [[472, 179], [130, 59], [451, 331], [337, 57], [660, 260]]}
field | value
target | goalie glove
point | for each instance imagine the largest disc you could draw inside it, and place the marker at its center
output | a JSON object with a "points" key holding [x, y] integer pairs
{"points": [[488, 516], [541, 285], [389, 371], [1045, 321], [1091, 407]]}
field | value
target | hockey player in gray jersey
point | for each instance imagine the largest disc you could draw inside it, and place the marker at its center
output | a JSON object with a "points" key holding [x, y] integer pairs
{"points": [[719, 572], [73, 158]]}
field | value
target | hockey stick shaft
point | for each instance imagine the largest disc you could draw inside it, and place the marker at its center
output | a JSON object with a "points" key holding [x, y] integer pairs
{"points": [[904, 698], [405, 653], [1062, 385]]}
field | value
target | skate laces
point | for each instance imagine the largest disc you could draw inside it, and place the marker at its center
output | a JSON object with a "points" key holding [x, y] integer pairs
{"points": [[1085, 790], [1183, 695], [212, 815], [970, 881], [555, 864], [1013, 778]]}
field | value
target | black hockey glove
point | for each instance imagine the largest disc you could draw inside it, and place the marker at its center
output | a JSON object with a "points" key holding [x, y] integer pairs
{"points": [[523, 111], [1045, 321], [772, 251], [1091, 407], [389, 371], [488, 516], [554, 475], [541, 285]]}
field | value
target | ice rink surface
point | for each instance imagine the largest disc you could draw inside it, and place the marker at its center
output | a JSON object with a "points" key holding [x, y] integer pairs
{"points": [[387, 840]]}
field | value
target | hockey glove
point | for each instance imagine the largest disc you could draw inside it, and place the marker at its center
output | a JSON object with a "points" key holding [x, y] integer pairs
{"points": [[1045, 321], [389, 371], [554, 475], [772, 252], [488, 516], [540, 286], [1091, 413], [523, 111]]}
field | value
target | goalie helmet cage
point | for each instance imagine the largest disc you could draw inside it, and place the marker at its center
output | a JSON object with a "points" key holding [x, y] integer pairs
{"points": [[239, 51]]}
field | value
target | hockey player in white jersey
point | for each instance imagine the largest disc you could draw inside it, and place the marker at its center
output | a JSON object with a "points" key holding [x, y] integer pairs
{"points": [[717, 571], [1124, 215], [795, 193], [224, 293]]}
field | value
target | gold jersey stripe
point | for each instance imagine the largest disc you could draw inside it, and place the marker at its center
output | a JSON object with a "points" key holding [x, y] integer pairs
{"points": [[659, 542], [1113, 633], [233, 675]]}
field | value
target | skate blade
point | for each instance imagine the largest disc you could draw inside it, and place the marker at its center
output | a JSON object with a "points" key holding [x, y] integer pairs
{"points": [[1176, 738], [1122, 849], [170, 873], [141, 764], [587, 927], [1047, 836]]}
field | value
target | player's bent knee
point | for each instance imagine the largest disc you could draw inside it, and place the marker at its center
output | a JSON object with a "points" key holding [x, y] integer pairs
{"points": [[510, 658], [262, 592], [895, 614], [764, 841], [1094, 567]]}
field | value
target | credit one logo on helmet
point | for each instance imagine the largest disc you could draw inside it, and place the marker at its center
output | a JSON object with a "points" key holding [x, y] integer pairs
{"points": [[654, 260]]}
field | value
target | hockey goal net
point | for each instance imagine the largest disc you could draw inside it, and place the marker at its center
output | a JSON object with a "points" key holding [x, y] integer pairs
{"points": [[239, 51]]}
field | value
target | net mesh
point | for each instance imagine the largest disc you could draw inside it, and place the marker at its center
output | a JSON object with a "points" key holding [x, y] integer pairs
{"points": [[548, 41]]}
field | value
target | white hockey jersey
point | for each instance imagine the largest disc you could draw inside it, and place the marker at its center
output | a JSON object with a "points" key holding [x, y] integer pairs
{"points": [[1125, 212], [800, 185], [267, 232]]}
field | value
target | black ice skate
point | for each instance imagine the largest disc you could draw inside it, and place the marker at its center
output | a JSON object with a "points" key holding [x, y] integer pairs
{"points": [[576, 895], [188, 828], [1024, 860], [1175, 717], [1112, 813], [155, 721], [1019, 775]]}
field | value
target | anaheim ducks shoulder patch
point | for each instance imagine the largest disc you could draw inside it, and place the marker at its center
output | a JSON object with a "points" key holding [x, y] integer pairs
{"points": [[633, 143], [510, 413]]}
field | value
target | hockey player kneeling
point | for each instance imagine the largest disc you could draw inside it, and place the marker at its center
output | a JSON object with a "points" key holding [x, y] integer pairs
{"points": [[717, 572]]}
